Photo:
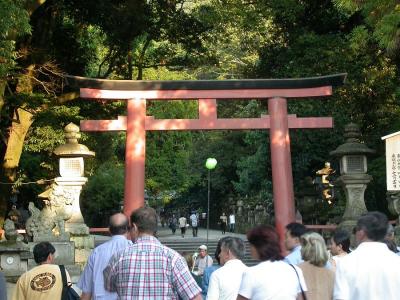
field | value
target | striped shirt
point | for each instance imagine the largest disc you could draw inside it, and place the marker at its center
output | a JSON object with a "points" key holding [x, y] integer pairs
{"points": [[149, 270]]}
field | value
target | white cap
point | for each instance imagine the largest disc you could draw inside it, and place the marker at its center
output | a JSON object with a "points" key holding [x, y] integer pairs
{"points": [[203, 247]]}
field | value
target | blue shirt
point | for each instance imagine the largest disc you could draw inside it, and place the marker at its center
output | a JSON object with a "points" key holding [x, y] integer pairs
{"points": [[91, 280], [206, 279], [294, 257]]}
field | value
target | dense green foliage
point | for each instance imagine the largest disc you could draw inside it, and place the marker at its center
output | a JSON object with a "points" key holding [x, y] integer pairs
{"points": [[207, 39]]}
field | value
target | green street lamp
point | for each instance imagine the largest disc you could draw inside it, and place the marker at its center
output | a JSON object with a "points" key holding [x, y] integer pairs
{"points": [[211, 163]]}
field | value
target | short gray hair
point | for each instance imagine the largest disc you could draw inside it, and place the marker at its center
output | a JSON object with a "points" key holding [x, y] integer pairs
{"points": [[313, 249], [235, 245]]}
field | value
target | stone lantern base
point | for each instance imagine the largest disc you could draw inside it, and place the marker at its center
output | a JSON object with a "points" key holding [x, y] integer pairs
{"points": [[75, 225]]}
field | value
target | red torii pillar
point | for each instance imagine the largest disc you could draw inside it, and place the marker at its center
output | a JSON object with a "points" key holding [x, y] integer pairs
{"points": [[276, 91]]}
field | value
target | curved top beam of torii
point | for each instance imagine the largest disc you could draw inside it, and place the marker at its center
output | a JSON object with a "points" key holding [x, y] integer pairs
{"points": [[141, 85], [136, 123], [210, 89]]}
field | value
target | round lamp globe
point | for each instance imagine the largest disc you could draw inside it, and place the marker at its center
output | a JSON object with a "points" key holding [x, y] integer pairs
{"points": [[211, 163]]}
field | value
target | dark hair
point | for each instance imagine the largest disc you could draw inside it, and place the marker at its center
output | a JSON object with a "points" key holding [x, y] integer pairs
{"points": [[145, 218], [41, 251], [374, 224], [235, 245], [296, 229], [265, 240], [342, 237], [391, 245], [118, 226], [218, 249]]}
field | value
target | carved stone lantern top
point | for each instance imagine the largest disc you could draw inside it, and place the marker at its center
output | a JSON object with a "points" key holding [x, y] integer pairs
{"points": [[353, 153], [353, 145], [72, 153], [72, 148]]}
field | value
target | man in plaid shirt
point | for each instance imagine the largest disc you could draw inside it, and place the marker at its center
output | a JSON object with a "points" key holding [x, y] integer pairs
{"points": [[148, 269]]}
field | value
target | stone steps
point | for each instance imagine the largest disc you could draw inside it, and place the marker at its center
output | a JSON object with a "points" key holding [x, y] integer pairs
{"points": [[191, 246]]}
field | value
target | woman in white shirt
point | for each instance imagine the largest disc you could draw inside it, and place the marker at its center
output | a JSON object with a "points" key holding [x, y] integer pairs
{"points": [[272, 278]]}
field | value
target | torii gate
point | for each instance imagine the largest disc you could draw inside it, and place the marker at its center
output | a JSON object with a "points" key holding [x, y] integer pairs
{"points": [[207, 92]]}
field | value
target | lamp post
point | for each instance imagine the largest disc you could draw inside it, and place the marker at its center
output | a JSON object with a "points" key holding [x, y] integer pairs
{"points": [[211, 163]]}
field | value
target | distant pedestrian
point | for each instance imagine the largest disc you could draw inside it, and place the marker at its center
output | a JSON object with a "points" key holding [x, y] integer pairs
{"points": [[224, 221], [232, 222], [44, 281], [147, 269], [173, 222], [182, 225], [371, 271], [91, 281], [194, 221]]}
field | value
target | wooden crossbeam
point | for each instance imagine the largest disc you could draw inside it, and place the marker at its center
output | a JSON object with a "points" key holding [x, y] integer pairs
{"points": [[152, 124], [199, 94]]}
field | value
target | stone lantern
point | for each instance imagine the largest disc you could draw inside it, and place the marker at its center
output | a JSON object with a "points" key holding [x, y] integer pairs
{"points": [[353, 174], [71, 155]]}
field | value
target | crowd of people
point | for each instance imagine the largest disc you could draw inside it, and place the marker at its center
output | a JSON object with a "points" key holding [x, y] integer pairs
{"points": [[134, 264]]}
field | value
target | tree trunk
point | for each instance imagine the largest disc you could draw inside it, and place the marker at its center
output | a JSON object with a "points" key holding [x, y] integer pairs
{"points": [[19, 128], [21, 123], [3, 84]]}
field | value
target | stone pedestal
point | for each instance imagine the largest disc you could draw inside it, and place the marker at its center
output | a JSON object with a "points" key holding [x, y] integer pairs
{"points": [[75, 225], [13, 259], [354, 186], [72, 187]]}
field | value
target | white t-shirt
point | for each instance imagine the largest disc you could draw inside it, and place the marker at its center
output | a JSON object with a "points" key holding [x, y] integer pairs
{"points": [[225, 282], [182, 222], [370, 272], [193, 220], [272, 280], [231, 219]]}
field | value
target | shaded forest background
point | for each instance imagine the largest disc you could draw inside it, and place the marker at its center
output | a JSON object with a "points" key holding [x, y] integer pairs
{"points": [[42, 41]]}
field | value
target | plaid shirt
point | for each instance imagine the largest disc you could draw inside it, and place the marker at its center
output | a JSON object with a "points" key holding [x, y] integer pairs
{"points": [[149, 270]]}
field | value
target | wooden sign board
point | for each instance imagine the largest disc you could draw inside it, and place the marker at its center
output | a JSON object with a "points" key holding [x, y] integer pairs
{"points": [[392, 161]]}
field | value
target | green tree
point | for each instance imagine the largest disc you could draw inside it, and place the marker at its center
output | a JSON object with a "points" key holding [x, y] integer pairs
{"points": [[382, 20]]}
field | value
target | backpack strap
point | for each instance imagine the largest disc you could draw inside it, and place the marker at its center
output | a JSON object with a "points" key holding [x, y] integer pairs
{"points": [[63, 275], [64, 281], [298, 278]]}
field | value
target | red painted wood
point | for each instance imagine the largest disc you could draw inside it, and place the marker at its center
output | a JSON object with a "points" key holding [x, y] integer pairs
{"points": [[137, 123], [206, 94], [208, 109], [135, 154], [152, 124], [282, 178]]}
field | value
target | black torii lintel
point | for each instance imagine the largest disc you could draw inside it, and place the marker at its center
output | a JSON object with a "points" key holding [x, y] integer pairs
{"points": [[143, 85]]}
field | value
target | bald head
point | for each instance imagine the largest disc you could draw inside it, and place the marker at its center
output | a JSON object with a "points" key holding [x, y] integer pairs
{"points": [[119, 224]]}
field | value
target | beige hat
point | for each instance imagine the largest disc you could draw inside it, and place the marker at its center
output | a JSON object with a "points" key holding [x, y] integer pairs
{"points": [[203, 247]]}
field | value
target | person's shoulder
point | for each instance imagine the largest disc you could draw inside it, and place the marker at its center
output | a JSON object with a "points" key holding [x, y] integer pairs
{"points": [[171, 252], [293, 257], [50, 268]]}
